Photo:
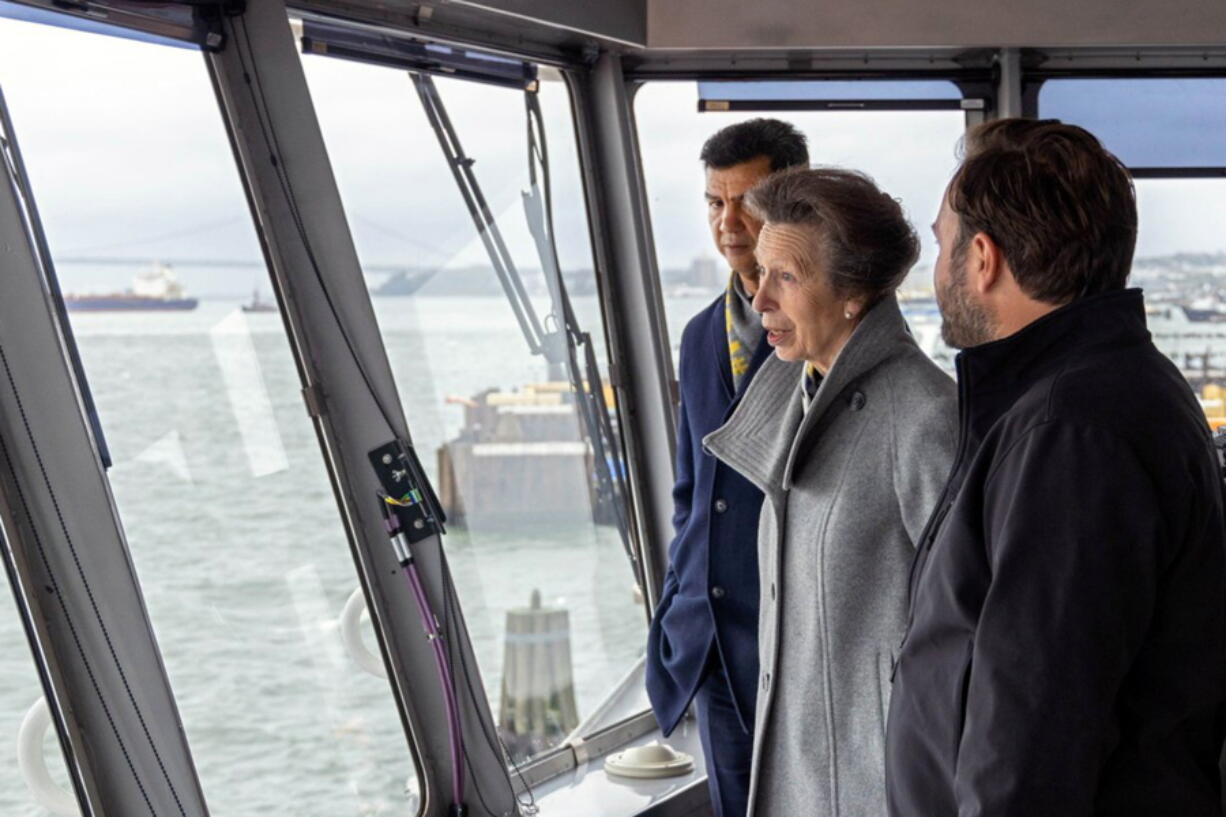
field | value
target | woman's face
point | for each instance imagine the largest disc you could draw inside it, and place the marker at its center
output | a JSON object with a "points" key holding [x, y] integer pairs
{"points": [[803, 317]]}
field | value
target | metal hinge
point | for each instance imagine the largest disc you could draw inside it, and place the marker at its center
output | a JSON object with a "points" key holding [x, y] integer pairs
{"points": [[581, 751], [313, 396]]}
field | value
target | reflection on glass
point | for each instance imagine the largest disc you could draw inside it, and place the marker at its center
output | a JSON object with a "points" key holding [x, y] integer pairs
{"points": [[546, 587], [910, 154], [217, 472]]}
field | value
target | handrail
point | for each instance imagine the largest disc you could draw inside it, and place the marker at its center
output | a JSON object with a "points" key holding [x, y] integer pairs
{"points": [[350, 627], [33, 763]]}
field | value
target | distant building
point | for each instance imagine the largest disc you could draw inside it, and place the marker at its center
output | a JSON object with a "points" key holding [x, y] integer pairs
{"points": [[704, 275], [706, 272]]}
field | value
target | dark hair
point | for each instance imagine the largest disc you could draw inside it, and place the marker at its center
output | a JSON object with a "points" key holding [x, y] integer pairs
{"points": [[867, 243], [1061, 207], [777, 140]]}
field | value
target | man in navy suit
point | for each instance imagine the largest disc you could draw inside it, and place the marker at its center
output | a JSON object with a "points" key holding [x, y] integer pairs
{"points": [[703, 642]]}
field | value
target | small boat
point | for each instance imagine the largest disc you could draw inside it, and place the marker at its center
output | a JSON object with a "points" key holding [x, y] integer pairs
{"points": [[257, 305]]}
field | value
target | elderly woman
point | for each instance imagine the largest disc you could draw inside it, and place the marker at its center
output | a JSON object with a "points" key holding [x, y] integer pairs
{"points": [[849, 430]]}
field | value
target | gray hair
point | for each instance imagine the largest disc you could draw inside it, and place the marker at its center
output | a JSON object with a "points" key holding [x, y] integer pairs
{"points": [[864, 236]]}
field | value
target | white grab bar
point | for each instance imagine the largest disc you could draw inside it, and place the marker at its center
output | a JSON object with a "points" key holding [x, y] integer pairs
{"points": [[33, 763], [351, 635]]}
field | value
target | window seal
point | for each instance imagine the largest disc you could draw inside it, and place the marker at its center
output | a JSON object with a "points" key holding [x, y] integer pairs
{"points": [[404, 51], [118, 18]]}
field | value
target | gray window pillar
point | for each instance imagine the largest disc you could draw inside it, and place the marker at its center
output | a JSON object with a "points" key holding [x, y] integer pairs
{"points": [[621, 228], [1009, 86], [348, 388], [68, 562]]}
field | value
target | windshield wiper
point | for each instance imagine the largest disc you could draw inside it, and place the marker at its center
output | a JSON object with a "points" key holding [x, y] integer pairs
{"points": [[560, 337]]}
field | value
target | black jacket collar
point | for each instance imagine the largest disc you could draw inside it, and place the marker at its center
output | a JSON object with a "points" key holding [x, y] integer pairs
{"points": [[992, 376]]}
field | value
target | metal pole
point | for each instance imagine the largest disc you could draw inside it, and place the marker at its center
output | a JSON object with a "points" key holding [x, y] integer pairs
{"points": [[349, 389], [630, 285], [53, 281], [1009, 86]]}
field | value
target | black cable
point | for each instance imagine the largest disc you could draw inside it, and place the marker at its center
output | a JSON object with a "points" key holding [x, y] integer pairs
{"points": [[452, 632]]}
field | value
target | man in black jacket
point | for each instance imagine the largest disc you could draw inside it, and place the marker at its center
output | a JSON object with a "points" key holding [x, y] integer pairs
{"points": [[1067, 648]]}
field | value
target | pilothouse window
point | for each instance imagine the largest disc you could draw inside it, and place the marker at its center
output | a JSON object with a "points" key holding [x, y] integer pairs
{"points": [[217, 476], [1180, 263], [1168, 132], [1156, 126], [502, 370], [909, 151]]}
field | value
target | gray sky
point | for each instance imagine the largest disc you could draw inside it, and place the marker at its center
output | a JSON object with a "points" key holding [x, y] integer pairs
{"points": [[129, 158]]}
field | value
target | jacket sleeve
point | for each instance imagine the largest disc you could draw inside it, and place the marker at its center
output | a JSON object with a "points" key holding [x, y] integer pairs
{"points": [[1073, 527], [926, 437]]}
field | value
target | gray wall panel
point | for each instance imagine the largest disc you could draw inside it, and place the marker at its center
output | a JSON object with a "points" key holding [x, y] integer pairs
{"points": [[621, 20], [965, 23]]}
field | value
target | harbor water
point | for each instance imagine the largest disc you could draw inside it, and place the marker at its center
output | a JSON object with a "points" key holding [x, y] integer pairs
{"points": [[236, 538]]}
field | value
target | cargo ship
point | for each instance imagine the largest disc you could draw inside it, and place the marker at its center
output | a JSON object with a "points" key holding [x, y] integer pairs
{"points": [[153, 289]]}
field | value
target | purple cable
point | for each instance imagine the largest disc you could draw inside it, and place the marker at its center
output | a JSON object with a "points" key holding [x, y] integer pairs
{"points": [[444, 671]]}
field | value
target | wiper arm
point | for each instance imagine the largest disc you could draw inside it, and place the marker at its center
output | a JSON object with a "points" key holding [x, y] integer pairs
{"points": [[487, 227], [559, 342], [585, 380]]}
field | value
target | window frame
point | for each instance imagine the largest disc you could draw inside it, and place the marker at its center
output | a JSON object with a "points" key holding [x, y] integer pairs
{"points": [[1032, 86]]}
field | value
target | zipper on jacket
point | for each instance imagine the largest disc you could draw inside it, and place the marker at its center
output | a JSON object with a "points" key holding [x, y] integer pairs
{"points": [[917, 569]]}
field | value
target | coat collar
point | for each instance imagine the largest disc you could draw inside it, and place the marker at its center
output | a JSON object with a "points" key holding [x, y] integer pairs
{"points": [[993, 376], [760, 355], [767, 432]]}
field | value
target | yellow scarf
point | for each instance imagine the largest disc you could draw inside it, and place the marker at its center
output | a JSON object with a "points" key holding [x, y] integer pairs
{"points": [[737, 353]]}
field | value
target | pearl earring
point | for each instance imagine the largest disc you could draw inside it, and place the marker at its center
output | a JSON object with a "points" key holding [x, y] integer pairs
{"points": [[847, 314]]}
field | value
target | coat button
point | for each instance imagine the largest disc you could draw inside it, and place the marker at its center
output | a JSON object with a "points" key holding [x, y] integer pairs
{"points": [[857, 401], [772, 591], [766, 680], [717, 592], [720, 506]]}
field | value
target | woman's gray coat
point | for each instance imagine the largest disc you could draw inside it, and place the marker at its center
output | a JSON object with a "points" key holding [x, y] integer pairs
{"points": [[849, 485]]}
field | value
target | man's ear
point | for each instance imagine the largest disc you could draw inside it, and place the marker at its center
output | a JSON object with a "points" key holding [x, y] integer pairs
{"points": [[986, 266]]}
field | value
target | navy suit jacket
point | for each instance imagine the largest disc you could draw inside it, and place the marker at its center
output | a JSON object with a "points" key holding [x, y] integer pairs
{"points": [[710, 596]]}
